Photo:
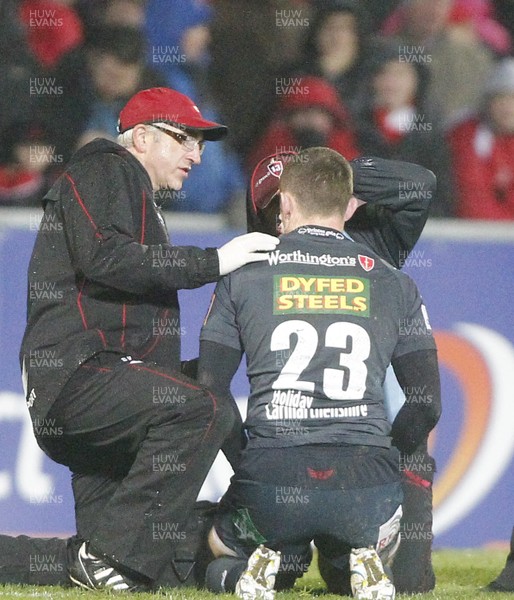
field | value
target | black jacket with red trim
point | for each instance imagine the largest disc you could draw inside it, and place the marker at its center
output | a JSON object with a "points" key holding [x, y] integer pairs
{"points": [[103, 274]]}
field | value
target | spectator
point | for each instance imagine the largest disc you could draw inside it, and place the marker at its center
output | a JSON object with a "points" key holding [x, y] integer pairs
{"points": [[29, 165], [309, 113], [379, 11], [95, 13], [178, 47], [443, 35], [117, 69], [97, 80], [482, 151], [335, 49], [130, 13], [218, 189], [504, 13], [396, 124], [53, 30], [252, 44], [18, 68], [178, 43], [421, 20]]}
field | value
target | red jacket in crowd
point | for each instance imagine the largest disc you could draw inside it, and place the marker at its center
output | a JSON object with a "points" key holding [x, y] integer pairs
{"points": [[303, 93], [483, 166]]}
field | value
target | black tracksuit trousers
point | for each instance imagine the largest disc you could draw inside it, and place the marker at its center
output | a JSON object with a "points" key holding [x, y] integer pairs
{"points": [[139, 440]]}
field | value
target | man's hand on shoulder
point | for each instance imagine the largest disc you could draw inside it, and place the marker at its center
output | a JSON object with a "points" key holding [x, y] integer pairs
{"points": [[250, 247]]}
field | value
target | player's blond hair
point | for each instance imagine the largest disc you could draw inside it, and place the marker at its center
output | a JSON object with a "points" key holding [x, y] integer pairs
{"points": [[320, 179]]}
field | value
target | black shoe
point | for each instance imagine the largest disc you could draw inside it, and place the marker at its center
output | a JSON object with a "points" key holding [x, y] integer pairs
{"points": [[505, 580], [94, 573]]}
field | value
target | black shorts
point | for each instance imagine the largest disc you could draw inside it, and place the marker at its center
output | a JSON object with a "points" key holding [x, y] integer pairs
{"points": [[339, 497]]}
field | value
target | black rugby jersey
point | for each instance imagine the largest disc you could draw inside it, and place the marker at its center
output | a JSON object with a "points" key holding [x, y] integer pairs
{"points": [[319, 321]]}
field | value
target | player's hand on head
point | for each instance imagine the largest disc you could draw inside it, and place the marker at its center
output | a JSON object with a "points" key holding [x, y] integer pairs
{"points": [[250, 247]]}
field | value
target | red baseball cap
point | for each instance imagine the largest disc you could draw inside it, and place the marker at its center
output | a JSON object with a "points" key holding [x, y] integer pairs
{"points": [[265, 179], [164, 105]]}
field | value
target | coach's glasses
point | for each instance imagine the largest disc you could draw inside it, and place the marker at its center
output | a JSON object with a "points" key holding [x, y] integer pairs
{"points": [[188, 141]]}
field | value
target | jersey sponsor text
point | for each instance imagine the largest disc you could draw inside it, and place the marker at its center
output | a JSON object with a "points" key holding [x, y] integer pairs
{"points": [[297, 256], [292, 404], [307, 294]]}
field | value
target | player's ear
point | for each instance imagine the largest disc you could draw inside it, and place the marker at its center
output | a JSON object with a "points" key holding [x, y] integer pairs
{"points": [[286, 204], [286, 208], [353, 205]]}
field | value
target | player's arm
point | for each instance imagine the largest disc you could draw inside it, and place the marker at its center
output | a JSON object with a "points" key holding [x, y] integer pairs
{"points": [[220, 355], [217, 366], [416, 367], [220, 346], [397, 198], [418, 376]]}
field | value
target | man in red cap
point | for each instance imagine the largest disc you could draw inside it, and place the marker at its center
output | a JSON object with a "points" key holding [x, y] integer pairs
{"points": [[102, 343]]}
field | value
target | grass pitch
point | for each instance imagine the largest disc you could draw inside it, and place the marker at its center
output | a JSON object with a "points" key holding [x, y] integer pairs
{"points": [[461, 575]]}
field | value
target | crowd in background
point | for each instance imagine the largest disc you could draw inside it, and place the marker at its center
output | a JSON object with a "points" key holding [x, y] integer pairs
{"points": [[427, 81]]}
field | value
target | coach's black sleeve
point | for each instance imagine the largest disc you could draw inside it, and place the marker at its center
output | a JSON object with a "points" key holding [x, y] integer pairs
{"points": [[418, 376], [96, 206], [398, 195]]}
